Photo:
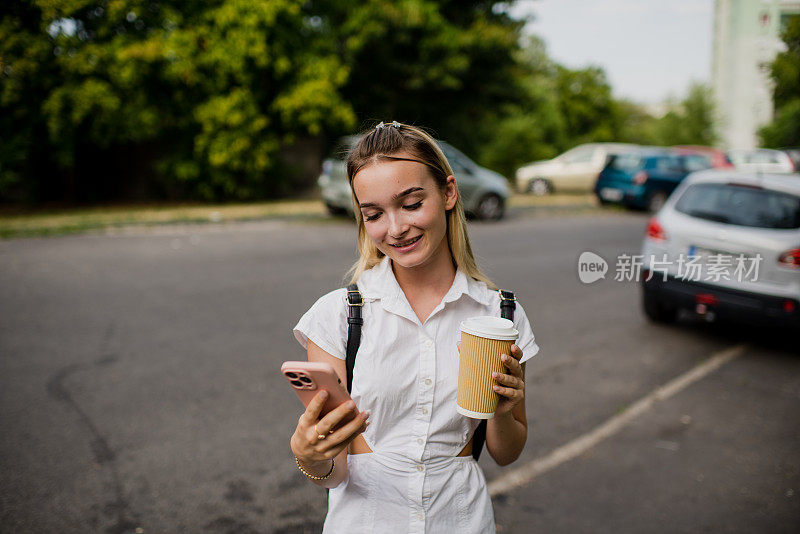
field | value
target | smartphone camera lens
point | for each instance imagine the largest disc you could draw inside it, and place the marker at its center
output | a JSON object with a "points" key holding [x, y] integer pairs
{"points": [[305, 379], [291, 375], [297, 383]]}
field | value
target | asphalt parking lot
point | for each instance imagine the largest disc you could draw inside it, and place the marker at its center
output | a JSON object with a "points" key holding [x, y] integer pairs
{"points": [[139, 386]]}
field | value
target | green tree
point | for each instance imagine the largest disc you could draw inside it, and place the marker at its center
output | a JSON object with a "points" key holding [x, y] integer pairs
{"points": [[209, 91], [443, 64], [689, 122], [586, 103], [27, 74], [119, 98], [201, 97], [532, 127], [784, 130], [557, 108], [634, 124]]}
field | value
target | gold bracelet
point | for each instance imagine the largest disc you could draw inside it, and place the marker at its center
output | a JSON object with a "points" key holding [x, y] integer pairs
{"points": [[313, 477]]}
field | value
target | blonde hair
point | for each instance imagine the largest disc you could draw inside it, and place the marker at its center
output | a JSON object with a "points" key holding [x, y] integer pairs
{"points": [[381, 144]]}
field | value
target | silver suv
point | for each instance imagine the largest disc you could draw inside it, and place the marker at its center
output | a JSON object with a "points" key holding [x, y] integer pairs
{"points": [[483, 192], [726, 245]]}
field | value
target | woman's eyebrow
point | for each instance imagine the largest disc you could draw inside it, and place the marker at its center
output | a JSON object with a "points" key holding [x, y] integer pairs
{"points": [[394, 197]]}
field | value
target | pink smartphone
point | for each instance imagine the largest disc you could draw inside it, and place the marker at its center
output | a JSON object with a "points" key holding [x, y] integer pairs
{"points": [[308, 378]]}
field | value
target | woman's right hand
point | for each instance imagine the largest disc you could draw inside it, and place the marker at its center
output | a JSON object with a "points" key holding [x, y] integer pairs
{"points": [[305, 443]]}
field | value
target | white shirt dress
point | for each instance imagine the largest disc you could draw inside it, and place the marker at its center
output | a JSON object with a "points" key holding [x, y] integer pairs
{"points": [[406, 375]]}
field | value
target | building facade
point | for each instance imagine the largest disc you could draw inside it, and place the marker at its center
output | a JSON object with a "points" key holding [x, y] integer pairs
{"points": [[746, 40]]}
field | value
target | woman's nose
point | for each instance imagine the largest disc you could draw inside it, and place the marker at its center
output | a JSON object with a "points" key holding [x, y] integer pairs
{"points": [[398, 225]]}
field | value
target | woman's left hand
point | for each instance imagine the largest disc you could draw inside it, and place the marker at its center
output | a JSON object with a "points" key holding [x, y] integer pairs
{"points": [[511, 386]]}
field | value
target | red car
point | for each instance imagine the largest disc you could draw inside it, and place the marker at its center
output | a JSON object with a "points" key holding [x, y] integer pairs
{"points": [[719, 160]]}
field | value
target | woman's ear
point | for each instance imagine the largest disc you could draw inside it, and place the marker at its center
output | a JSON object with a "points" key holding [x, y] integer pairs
{"points": [[450, 192]]}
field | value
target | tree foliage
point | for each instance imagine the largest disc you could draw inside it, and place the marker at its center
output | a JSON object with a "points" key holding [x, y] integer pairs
{"points": [[122, 99], [556, 109], [208, 91], [784, 130], [442, 64], [690, 122]]}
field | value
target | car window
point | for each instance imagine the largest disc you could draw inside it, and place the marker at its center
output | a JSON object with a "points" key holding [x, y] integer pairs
{"points": [[695, 163], [741, 205], [458, 166], [764, 157], [626, 162], [736, 158], [669, 164], [457, 161], [582, 155]]}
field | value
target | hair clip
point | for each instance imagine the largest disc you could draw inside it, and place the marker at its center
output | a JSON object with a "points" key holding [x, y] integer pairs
{"points": [[380, 126], [396, 124]]}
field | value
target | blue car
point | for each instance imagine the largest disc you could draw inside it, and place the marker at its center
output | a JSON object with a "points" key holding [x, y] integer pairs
{"points": [[644, 179]]}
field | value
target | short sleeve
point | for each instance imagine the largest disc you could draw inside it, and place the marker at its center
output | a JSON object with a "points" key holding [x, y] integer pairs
{"points": [[525, 341], [325, 323]]}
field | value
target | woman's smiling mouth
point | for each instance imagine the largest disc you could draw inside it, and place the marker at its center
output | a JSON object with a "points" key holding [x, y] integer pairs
{"points": [[406, 245]]}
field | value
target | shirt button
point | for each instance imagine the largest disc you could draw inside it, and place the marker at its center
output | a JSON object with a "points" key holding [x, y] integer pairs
{"points": [[424, 410], [429, 343], [421, 516], [420, 468], [428, 381], [420, 441]]}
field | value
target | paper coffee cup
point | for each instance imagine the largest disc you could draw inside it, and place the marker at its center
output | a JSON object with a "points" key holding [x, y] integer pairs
{"points": [[483, 340]]}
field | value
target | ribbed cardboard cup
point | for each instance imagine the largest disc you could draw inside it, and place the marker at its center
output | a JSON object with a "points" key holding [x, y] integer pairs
{"points": [[483, 340]]}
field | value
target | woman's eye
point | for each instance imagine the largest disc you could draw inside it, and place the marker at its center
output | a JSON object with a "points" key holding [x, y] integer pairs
{"points": [[371, 217], [414, 206]]}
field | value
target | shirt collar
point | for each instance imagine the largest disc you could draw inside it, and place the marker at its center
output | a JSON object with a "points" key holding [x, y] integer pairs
{"points": [[379, 282]]}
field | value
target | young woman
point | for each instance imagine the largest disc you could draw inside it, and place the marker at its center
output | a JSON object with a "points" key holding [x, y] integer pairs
{"points": [[405, 464]]}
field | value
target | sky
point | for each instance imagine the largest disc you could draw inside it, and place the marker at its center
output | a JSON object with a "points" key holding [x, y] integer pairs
{"points": [[649, 49]]}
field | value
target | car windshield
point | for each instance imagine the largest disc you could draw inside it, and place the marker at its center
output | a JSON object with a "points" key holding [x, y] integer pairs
{"points": [[741, 205]]}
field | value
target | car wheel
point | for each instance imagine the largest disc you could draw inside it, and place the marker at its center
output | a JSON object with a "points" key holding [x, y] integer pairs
{"points": [[657, 311], [491, 207], [540, 187], [656, 201]]}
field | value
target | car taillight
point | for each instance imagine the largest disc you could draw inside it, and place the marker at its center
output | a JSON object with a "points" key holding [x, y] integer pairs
{"points": [[790, 258], [640, 177], [655, 231], [706, 298]]}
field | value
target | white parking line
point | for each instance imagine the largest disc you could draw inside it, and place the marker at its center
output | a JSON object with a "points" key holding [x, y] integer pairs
{"points": [[524, 474]]}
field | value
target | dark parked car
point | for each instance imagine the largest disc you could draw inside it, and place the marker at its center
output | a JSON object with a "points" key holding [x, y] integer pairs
{"points": [[644, 179]]}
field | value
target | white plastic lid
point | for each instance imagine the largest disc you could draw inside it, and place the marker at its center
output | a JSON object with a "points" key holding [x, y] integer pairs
{"points": [[490, 327]]}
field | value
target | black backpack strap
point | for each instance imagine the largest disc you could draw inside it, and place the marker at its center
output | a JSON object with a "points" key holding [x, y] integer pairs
{"points": [[508, 303], [354, 322]]}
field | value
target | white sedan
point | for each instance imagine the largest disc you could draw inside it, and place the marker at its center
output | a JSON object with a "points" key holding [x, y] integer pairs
{"points": [[762, 160], [575, 170]]}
